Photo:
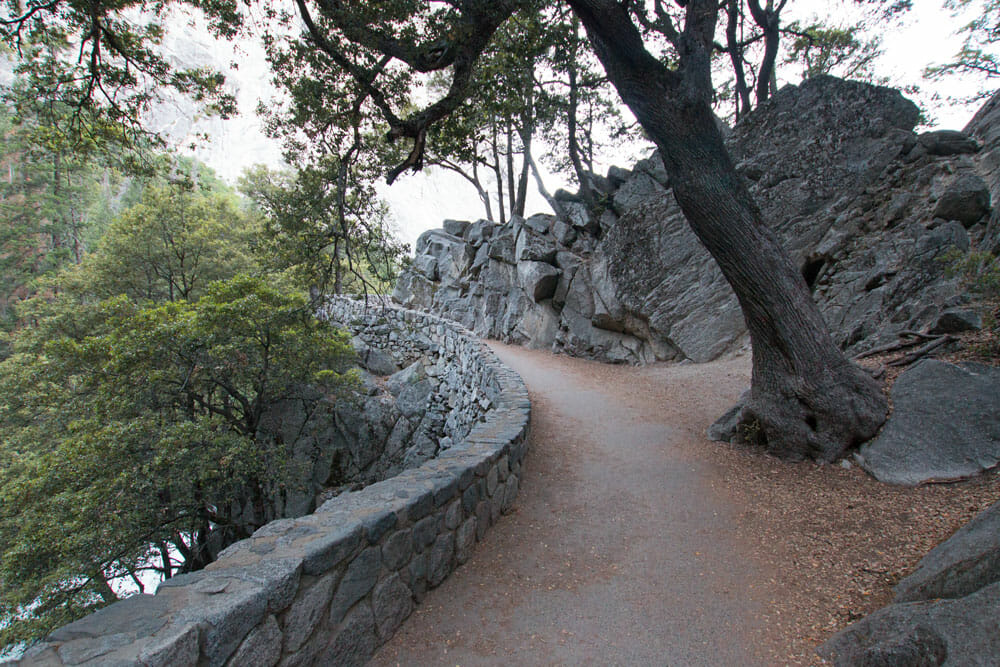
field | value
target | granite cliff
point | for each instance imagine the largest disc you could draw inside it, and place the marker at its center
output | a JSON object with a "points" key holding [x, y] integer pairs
{"points": [[868, 208]]}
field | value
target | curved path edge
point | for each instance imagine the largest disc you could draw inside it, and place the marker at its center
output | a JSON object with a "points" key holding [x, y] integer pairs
{"points": [[623, 546], [330, 587]]}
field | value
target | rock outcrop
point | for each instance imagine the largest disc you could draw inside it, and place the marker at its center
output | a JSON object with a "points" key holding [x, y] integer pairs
{"points": [[961, 565], [867, 208], [945, 425], [945, 613]]}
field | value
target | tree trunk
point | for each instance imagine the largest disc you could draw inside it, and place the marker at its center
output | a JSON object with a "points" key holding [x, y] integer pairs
{"points": [[338, 270], [768, 20], [741, 92], [526, 131], [498, 174], [586, 191], [542, 190], [484, 196], [806, 399], [104, 589], [511, 188], [522, 178]]}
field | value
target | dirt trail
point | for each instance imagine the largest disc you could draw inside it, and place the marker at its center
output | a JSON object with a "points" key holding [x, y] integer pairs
{"points": [[622, 549], [635, 541]]}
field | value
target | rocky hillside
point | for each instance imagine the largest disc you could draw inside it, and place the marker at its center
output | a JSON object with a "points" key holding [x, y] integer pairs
{"points": [[868, 208]]}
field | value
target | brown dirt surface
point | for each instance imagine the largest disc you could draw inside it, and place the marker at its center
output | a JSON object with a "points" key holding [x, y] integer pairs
{"points": [[635, 540], [839, 539]]}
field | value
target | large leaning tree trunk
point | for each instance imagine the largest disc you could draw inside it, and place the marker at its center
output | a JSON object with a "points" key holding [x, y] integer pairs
{"points": [[806, 400]]}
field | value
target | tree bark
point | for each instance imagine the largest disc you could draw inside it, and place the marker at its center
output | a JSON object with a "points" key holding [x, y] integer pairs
{"points": [[767, 18], [484, 196], [542, 190], [498, 174], [511, 188], [741, 92], [807, 400], [526, 130], [586, 190]]}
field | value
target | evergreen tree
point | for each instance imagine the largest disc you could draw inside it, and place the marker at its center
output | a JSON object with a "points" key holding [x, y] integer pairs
{"points": [[978, 56], [131, 408]]}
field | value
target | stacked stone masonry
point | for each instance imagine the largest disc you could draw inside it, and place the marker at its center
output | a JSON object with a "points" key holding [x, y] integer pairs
{"points": [[449, 361], [330, 587]]}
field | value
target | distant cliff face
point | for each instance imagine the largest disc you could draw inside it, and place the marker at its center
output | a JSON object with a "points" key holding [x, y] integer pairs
{"points": [[227, 146], [866, 207]]}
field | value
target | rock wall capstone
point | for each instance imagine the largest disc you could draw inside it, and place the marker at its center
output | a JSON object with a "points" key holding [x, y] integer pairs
{"points": [[330, 587]]}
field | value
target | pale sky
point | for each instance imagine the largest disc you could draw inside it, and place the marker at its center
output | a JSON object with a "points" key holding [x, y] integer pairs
{"points": [[422, 201]]}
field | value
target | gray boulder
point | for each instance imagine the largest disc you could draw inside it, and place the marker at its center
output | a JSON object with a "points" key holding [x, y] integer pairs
{"points": [[536, 249], [436, 242], [502, 249], [480, 231], [617, 176], [637, 190], [945, 425], [538, 279], [539, 223], [948, 142], [413, 289], [966, 200], [413, 399], [839, 177], [958, 633], [578, 215], [410, 375], [961, 565], [725, 428], [426, 266], [481, 258], [456, 227], [957, 320], [378, 362], [564, 233]]}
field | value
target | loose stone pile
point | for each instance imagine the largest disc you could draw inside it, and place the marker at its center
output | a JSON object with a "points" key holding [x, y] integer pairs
{"points": [[330, 587]]}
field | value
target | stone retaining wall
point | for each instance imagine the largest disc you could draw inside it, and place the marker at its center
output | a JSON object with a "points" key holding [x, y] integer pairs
{"points": [[462, 394], [331, 587]]}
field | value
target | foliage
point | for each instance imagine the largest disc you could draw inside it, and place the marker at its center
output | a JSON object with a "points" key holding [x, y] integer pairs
{"points": [[489, 144], [170, 245], [980, 272], [46, 199], [758, 38], [325, 224], [99, 60], [978, 55], [57, 199], [131, 408], [840, 51], [552, 89], [325, 238]]}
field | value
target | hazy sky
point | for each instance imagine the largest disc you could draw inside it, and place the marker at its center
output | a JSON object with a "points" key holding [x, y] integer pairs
{"points": [[422, 201]]}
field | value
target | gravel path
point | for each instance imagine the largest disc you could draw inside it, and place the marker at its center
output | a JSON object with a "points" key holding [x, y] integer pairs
{"points": [[622, 547]]}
